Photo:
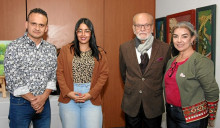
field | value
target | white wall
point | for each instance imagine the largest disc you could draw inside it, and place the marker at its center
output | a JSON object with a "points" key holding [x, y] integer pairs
{"points": [[167, 7]]}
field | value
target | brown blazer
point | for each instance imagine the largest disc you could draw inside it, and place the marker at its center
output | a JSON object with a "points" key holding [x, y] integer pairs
{"points": [[65, 75], [147, 87]]}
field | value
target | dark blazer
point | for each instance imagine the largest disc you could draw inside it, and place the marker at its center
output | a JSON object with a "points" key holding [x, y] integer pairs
{"points": [[146, 87]]}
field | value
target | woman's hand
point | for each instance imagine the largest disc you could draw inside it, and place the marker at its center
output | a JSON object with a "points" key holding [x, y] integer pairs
{"points": [[211, 123], [74, 95], [83, 98]]}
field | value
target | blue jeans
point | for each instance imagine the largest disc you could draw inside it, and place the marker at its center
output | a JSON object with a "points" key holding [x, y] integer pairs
{"points": [[21, 114], [80, 115], [176, 119]]}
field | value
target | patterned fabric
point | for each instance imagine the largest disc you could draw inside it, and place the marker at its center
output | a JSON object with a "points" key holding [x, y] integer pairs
{"points": [[200, 111], [212, 106], [196, 82], [195, 112], [82, 67], [28, 68]]}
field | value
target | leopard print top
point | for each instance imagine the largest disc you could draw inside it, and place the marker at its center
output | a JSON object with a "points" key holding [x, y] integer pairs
{"points": [[82, 67]]}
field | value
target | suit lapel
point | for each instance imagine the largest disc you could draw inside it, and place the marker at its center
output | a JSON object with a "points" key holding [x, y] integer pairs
{"points": [[155, 48], [133, 54]]}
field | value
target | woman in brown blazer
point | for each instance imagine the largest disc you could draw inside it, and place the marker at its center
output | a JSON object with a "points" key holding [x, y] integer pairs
{"points": [[82, 72]]}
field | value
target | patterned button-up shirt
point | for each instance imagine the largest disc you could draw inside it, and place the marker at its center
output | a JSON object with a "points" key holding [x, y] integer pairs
{"points": [[29, 68]]}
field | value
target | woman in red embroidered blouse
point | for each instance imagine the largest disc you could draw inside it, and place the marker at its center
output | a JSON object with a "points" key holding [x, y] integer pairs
{"points": [[191, 90]]}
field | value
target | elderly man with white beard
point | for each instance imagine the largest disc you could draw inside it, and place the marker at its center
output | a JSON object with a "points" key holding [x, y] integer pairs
{"points": [[142, 65]]}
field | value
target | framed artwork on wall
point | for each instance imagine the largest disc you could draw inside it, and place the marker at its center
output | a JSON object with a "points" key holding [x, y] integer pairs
{"points": [[160, 28], [175, 18], [206, 28], [3, 46]]}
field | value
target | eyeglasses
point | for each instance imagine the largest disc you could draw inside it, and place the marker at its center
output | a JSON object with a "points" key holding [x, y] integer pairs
{"points": [[86, 31], [139, 26], [172, 69]]}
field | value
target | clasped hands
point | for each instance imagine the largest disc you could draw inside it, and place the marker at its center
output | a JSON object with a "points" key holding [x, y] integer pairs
{"points": [[78, 97], [37, 103]]}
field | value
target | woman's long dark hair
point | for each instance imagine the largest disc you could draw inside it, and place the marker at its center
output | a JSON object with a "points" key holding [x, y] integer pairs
{"points": [[92, 41]]}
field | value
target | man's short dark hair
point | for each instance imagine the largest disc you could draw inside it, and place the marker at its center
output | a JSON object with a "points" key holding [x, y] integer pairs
{"points": [[37, 10]]}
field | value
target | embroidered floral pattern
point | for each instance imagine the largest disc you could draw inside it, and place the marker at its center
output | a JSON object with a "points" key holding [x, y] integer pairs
{"points": [[195, 112], [212, 106], [200, 110]]}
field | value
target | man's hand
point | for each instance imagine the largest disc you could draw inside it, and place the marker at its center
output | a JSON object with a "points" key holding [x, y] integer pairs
{"points": [[29, 96], [39, 102], [40, 110], [35, 101]]}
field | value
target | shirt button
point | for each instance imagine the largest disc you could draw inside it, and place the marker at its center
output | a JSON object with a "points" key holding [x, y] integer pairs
{"points": [[143, 79], [140, 91]]}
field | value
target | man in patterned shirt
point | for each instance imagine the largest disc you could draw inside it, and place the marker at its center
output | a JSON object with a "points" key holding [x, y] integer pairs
{"points": [[30, 71]]}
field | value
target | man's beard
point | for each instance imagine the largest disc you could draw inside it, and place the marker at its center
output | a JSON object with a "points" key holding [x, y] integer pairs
{"points": [[142, 38]]}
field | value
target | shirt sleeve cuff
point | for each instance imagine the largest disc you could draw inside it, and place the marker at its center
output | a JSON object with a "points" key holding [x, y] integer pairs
{"points": [[51, 85], [21, 91], [212, 106]]}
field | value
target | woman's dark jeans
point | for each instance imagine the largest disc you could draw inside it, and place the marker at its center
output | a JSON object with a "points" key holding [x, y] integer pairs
{"points": [[175, 119]]}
